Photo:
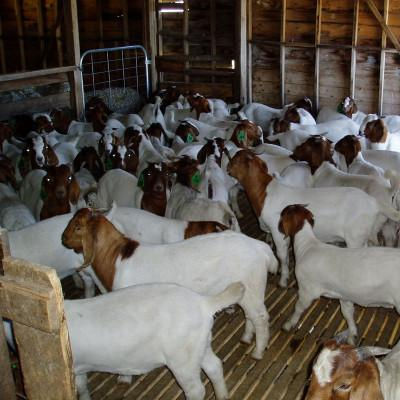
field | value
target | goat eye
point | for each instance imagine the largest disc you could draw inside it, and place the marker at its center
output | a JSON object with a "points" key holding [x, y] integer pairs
{"points": [[345, 387], [70, 178], [28, 150], [48, 179]]}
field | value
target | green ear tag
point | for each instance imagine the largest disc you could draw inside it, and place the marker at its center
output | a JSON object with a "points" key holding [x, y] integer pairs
{"points": [[43, 194], [140, 182], [108, 164], [196, 179], [189, 138], [241, 136], [340, 108]]}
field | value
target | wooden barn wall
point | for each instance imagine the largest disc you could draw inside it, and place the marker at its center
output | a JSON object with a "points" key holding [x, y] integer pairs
{"points": [[196, 47], [33, 37], [318, 39]]}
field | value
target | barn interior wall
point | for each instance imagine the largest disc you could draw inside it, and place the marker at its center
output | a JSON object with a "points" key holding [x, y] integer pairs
{"points": [[300, 29]]}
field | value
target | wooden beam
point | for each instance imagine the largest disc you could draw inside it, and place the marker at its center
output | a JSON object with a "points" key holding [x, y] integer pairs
{"points": [[35, 74], [60, 56], [213, 24], [20, 31], [152, 39], [383, 59], [45, 356], [2, 52], [383, 24], [99, 16], [318, 19], [249, 52], [74, 55], [160, 51], [241, 52], [125, 18], [283, 51], [354, 40], [7, 385], [185, 35], [40, 23]]}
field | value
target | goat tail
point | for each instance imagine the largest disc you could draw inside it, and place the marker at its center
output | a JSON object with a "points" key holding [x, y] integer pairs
{"points": [[389, 212], [273, 262], [394, 179], [231, 295]]}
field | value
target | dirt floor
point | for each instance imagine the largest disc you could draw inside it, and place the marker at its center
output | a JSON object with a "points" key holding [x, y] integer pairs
{"points": [[285, 367]]}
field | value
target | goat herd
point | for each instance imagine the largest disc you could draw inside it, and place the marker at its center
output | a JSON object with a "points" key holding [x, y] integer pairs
{"points": [[161, 232]]}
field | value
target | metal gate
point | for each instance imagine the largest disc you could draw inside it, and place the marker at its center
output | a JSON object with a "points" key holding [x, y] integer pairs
{"points": [[119, 75]]}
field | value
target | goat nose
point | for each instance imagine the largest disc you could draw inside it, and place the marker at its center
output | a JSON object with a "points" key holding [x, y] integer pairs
{"points": [[159, 187], [60, 192]]}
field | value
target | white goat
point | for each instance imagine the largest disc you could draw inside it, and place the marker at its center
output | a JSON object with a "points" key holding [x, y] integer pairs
{"points": [[365, 276], [169, 325], [14, 214]]}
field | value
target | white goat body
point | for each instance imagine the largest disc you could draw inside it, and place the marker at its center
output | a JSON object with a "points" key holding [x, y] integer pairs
{"points": [[186, 204], [261, 114], [291, 139], [353, 224], [169, 325], [207, 264], [365, 276], [119, 186], [14, 214], [332, 130]]}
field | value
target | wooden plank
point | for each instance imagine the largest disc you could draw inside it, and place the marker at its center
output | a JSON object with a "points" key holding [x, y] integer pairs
{"points": [[241, 55], [185, 33], [283, 51], [353, 50], [36, 74], [2, 51], [249, 51], [7, 386], [213, 24], [382, 63], [40, 23], [20, 31], [99, 17], [318, 19], [74, 54], [58, 8], [152, 40], [383, 24], [125, 20]]}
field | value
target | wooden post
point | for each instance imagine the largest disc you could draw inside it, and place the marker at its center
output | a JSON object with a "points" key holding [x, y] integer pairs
{"points": [[241, 52], [383, 59], [20, 30], [40, 22], [152, 39], [283, 51], [213, 23], [7, 386], [2, 52], [249, 52], [185, 38], [31, 296], [125, 18], [383, 24], [318, 20], [74, 55], [354, 49], [60, 56]]}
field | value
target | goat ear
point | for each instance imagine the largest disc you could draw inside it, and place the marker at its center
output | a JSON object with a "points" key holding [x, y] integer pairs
{"points": [[367, 383], [74, 191], [52, 158], [78, 162]]}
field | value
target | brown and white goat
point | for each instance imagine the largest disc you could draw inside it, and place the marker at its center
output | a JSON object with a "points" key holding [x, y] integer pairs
{"points": [[59, 190]]}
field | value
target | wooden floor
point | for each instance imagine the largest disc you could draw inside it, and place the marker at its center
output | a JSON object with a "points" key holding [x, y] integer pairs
{"points": [[285, 367]]}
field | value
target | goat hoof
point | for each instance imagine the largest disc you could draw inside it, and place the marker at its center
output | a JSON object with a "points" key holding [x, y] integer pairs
{"points": [[246, 339], [257, 355], [125, 379], [287, 326], [283, 282]]}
